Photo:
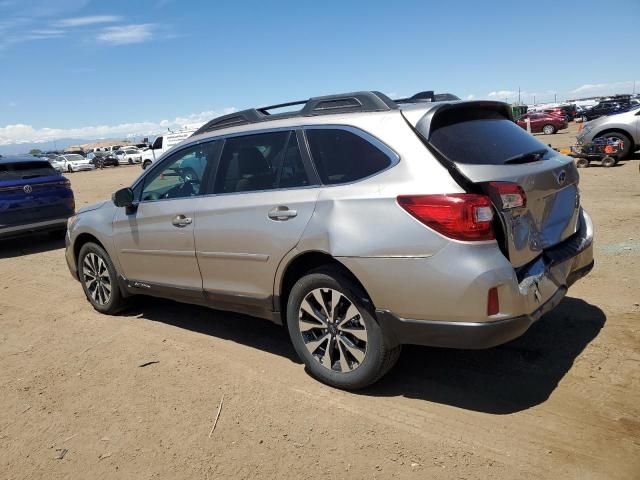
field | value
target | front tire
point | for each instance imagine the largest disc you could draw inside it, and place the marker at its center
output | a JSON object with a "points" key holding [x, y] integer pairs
{"points": [[334, 332], [69, 169], [146, 165], [98, 277], [548, 129]]}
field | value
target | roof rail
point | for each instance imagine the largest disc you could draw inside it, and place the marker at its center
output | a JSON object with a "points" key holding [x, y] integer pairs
{"points": [[365, 101], [428, 96], [331, 104]]}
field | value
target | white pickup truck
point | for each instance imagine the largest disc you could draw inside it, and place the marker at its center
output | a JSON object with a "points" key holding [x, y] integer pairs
{"points": [[164, 142]]}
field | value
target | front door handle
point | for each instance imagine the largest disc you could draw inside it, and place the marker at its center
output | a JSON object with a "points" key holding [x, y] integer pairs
{"points": [[181, 221], [282, 213]]}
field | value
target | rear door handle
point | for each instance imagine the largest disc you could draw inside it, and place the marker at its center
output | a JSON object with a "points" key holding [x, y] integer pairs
{"points": [[181, 221], [282, 213]]}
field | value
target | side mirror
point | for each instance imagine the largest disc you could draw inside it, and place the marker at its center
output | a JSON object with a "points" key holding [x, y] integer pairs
{"points": [[123, 197]]}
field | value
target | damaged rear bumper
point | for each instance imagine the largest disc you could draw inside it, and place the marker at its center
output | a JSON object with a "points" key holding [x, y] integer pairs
{"points": [[541, 287]]}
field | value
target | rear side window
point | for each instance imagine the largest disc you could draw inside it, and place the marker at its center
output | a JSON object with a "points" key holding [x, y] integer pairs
{"points": [[258, 162], [341, 156], [24, 170], [481, 138]]}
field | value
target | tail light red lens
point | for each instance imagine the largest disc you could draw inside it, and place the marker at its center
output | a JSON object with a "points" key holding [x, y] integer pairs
{"points": [[461, 216], [511, 195], [493, 302]]}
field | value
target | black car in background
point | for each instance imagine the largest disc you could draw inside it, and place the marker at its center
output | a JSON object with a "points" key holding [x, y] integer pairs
{"points": [[103, 159], [606, 107]]}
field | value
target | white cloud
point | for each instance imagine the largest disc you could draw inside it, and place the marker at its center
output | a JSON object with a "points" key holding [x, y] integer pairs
{"points": [[501, 94], [52, 32], [21, 133], [127, 34], [594, 89], [89, 20], [470, 97]]}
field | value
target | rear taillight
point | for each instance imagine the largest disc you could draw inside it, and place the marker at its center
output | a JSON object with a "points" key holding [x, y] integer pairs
{"points": [[510, 195], [461, 216]]}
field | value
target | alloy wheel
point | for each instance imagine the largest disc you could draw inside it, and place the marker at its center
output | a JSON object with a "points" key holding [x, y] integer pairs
{"points": [[333, 330], [96, 278]]}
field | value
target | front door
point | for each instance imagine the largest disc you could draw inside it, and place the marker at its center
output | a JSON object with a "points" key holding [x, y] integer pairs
{"points": [[263, 199], [155, 241]]}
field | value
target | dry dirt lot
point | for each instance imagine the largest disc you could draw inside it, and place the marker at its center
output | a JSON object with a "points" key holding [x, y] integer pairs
{"points": [[561, 402]]}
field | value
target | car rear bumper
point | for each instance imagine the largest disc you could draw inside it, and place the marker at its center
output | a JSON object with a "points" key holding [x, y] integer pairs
{"points": [[15, 230], [442, 301], [465, 335]]}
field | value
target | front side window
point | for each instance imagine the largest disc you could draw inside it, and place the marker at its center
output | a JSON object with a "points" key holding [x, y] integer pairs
{"points": [[258, 162], [181, 175], [341, 156]]}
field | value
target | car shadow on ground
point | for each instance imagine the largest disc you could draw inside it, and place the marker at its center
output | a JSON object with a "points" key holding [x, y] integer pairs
{"points": [[250, 331], [501, 380], [29, 244]]}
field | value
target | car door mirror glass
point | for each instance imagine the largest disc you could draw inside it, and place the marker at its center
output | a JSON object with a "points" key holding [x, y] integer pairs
{"points": [[123, 197]]}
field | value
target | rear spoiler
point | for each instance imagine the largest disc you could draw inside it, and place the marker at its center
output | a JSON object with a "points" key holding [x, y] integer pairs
{"points": [[446, 113]]}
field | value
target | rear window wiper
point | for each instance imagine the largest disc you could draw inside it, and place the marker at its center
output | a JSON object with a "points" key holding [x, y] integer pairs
{"points": [[526, 157], [26, 177]]}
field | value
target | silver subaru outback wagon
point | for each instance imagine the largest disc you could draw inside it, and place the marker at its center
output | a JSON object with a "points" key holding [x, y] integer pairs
{"points": [[359, 222]]}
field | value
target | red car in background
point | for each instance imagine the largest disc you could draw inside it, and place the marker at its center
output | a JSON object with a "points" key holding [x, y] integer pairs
{"points": [[543, 122]]}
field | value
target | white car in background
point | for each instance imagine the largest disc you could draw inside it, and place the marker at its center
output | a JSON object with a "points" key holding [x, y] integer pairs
{"points": [[57, 164], [73, 162], [128, 155]]}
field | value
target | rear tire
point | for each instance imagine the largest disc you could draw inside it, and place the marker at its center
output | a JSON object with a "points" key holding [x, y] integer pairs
{"points": [[69, 169], [146, 165], [341, 345], [582, 163], [548, 129], [626, 151], [99, 279], [608, 162]]}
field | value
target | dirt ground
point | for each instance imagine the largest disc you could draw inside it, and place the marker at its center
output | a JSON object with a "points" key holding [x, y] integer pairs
{"points": [[561, 402]]}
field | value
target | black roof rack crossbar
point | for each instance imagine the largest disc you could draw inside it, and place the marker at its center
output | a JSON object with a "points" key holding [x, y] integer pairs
{"points": [[365, 101], [427, 96]]}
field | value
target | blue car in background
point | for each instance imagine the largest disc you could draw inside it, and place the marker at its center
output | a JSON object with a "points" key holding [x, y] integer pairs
{"points": [[33, 197]]}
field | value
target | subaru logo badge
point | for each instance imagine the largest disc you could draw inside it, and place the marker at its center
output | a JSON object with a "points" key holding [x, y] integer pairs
{"points": [[562, 177], [27, 189]]}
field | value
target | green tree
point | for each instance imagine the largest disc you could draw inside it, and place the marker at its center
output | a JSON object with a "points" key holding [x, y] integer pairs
{"points": [[35, 151]]}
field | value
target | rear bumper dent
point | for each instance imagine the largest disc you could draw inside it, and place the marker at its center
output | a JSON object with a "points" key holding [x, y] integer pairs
{"points": [[464, 335]]}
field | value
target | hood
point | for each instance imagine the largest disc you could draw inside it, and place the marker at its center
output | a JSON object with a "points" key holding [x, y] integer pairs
{"points": [[95, 206]]}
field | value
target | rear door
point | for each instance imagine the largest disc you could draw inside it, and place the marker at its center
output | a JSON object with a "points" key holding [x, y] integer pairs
{"points": [[263, 198], [480, 142], [32, 192]]}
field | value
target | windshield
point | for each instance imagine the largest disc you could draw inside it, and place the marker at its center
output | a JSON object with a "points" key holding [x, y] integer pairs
{"points": [[24, 170], [74, 158]]}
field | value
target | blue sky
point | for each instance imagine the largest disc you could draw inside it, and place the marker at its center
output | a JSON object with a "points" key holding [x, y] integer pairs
{"points": [[81, 68]]}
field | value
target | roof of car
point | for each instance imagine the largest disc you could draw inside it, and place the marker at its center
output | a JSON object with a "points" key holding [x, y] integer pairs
{"points": [[20, 159]]}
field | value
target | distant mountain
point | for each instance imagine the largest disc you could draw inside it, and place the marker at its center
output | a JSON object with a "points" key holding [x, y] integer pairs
{"points": [[60, 145], [44, 146]]}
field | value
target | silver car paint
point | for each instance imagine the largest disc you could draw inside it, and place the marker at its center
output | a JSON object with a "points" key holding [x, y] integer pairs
{"points": [[405, 267], [628, 122]]}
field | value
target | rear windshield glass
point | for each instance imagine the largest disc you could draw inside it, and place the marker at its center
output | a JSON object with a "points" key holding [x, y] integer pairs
{"points": [[483, 138], [23, 170]]}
